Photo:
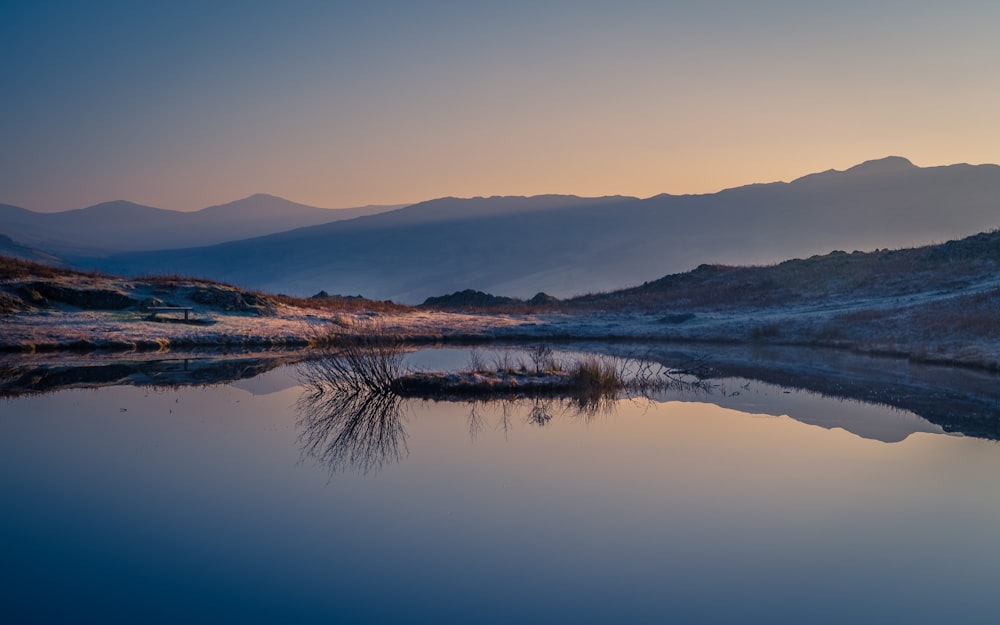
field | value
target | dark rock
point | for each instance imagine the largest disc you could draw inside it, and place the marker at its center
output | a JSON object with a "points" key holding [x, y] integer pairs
{"points": [[543, 298], [88, 299], [677, 318], [230, 299], [469, 298]]}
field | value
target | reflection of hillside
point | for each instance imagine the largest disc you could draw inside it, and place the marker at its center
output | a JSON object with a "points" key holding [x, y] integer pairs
{"points": [[958, 400], [20, 376]]}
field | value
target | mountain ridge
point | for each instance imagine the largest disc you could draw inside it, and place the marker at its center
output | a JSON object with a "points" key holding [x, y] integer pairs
{"points": [[121, 225], [566, 245]]}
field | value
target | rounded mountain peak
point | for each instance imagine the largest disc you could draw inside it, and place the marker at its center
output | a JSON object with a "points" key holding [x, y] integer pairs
{"points": [[889, 164]]}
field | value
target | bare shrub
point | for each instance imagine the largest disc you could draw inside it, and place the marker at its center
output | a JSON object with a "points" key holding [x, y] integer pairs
{"points": [[504, 363], [476, 362], [541, 357], [364, 357]]}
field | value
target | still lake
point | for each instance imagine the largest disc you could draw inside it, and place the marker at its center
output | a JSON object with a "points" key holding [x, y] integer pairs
{"points": [[747, 503]]}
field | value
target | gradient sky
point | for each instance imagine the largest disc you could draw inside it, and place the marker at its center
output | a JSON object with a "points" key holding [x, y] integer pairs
{"points": [[186, 104]]}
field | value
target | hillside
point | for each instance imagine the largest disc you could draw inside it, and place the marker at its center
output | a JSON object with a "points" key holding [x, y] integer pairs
{"points": [[937, 304], [566, 246], [971, 263], [8, 247]]}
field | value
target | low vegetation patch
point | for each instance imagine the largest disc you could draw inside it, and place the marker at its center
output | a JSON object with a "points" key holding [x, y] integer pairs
{"points": [[590, 377], [14, 268]]}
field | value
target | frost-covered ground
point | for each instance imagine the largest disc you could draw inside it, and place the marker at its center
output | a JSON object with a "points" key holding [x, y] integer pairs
{"points": [[297, 327], [65, 328], [960, 325]]}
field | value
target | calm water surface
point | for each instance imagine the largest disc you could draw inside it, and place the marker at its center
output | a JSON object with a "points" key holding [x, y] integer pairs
{"points": [[232, 503]]}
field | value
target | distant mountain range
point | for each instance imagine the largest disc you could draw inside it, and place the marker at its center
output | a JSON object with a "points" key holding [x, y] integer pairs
{"points": [[567, 245], [124, 226]]}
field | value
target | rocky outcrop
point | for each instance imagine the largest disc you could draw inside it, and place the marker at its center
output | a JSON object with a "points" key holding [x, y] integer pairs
{"points": [[10, 303], [231, 299], [47, 293], [469, 298]]}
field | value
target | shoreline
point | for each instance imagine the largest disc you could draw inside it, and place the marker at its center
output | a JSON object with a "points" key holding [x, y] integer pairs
{"points": [[89, 332], [961, 400], [48, 311]]}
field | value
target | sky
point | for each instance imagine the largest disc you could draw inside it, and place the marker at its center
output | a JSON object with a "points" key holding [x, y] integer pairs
{"points": [[183, 104]]}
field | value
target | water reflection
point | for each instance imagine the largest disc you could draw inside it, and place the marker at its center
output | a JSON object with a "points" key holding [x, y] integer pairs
{"points": [[348, 426], [537, 411], [36, 374], [363, 430], [691, 513], [962, 401], [352, 406], [925, 398], [352, 415]]}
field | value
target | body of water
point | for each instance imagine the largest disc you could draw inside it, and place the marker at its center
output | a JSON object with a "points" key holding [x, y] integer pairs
{"points": [[246, 502]]}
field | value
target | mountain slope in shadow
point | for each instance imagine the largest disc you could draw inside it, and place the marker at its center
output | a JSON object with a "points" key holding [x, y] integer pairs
{"points": [[565, 245]]}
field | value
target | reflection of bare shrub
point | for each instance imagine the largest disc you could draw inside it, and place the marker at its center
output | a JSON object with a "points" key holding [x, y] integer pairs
{"points": [[348, 426], [540, 414], [349, 414]]}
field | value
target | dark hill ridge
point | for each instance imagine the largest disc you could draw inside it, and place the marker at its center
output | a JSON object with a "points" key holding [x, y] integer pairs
{"points": [[566, 245], [126, 226], [969, 265], [477, 300], [972, 263]]}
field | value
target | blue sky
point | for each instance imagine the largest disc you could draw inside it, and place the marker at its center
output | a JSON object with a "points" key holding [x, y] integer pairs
{"points": [[186, 104]]}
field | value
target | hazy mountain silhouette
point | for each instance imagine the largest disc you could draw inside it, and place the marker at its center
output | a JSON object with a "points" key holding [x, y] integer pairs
{"points": [[566, 245], [125, 226]]}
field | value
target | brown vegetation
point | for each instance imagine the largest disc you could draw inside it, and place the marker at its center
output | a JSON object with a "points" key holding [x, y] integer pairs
{"points": [[26, 283], [15, 268], [340, 303]]}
